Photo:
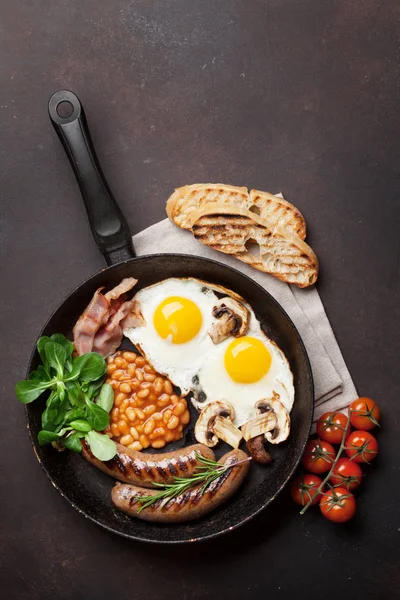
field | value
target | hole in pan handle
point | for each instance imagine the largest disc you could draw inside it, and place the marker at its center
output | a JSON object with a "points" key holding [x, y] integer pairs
{"points": [[109, 227]]}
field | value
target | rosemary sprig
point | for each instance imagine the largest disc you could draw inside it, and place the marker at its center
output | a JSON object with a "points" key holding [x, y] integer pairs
{"points": [[324, 482], [207, 472]]}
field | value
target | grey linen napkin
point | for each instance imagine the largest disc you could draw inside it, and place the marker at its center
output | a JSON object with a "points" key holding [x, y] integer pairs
{"points": [[334, 387]]}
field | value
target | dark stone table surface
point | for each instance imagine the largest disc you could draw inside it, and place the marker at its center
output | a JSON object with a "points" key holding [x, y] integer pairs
{"points": [[294, 95]]}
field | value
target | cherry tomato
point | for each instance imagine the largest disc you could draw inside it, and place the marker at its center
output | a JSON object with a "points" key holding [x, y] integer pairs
{"points": [[305, 487], [364, 414], [318, 456], [331, 426], [361, 446], [347, 474], [338, 505]]}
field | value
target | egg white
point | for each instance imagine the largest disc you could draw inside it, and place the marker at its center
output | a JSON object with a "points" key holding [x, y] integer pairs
{"points": [[216, 383], [180, 362]]}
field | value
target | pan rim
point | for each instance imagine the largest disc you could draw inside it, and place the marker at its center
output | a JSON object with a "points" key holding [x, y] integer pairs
{"points": [[206, 537]]}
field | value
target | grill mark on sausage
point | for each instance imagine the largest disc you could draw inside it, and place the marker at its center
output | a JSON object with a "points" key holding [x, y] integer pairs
{"points": [[116, 463], [162, 471], [182, 465]]}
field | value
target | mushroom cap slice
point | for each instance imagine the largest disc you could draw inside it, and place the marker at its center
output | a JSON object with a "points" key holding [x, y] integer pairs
{"points": [[263, 423], [232, 319], [282, 429], [203, 429]]}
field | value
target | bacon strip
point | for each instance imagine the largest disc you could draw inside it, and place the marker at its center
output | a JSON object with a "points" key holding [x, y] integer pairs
{"points": [[109, 337], [125, 286], [98, 328], [93, 317]]}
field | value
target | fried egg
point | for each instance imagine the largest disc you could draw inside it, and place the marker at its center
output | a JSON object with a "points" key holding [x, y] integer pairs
{"points": [[243, 371], [177, 314], [175, 340]]}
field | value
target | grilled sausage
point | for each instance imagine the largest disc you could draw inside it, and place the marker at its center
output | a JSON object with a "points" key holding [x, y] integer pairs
{"points": [[144, 469], [190, 505]]}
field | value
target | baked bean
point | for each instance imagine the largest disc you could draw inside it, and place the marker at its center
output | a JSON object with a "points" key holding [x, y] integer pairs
{"points": [[173, 422], [168, 387], [148, 369], [131, 413], [143, 393], [174, 399], [120, 362], [179, 409], [110, 360], [149, 410], [144, 440], [123, 426], [139, 376], [158, 432], [125, 388], [129, 356], [164, 400], [146, 385], [132, 402], [119, 398], [149, 426], [179, 428], [131, 369], [185, 418], [124, 405], [140, 414], [114, 429], [114, 384], [115, 413], [111, 368], [135, 384], [169, 436], [118, 374], [158, 444], [136, 446], [149, 377], [157, 416], [140, 361], [134, 433], [152, 397], [167, 415], [139, 427], [125, 378], [158, 385], [126, 440]]}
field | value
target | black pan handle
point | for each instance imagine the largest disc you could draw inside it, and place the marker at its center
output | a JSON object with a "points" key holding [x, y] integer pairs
{"points": [[109, 227]]}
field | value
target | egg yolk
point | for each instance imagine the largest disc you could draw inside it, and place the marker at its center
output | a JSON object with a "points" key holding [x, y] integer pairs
{"points": [[247, 360], [179, 318]]}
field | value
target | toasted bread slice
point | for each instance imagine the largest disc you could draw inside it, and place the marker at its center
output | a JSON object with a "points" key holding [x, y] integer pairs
{"points": [[278, 251], [277, 211], [190, 198]]}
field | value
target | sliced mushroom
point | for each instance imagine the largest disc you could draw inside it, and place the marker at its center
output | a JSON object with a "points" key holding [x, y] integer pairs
{"points": [[257, 450], [261, 424], [272, 424], [282, 429], [216, 422], [232, 319]]}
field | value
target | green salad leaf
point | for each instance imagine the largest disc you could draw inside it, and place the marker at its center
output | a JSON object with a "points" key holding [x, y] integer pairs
{"points": [[102, 447], [79, 402], [106, 397], [98, 418]]}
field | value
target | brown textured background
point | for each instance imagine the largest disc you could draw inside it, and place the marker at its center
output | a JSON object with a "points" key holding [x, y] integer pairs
{"points": [[294, 95]]}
